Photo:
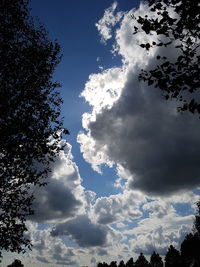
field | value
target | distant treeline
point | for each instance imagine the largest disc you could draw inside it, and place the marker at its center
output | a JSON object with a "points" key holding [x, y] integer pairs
{"points": [[188, 256]]}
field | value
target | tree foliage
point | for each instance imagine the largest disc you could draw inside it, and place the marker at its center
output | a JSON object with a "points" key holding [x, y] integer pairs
{"points": [[16, 263], [30, 123], [130, 262], [190, 249], [197, 219], [156, 260], [173, 257], [141, 261], [121, 264], [176, 23]]}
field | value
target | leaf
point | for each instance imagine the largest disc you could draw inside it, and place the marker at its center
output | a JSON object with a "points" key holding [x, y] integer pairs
{"points": [[150, 82], [147, 46]]}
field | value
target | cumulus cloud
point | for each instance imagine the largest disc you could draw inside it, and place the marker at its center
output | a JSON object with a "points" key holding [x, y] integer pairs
{"points": [[162, 226], [116, 208], [108, 21], [49, 249], [159, 240], [159, 208], [140, 130], [83, 231], [63, 197]]}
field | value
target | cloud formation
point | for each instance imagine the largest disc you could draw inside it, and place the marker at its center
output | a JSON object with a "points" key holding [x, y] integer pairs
{"points": [[108, 21], [117, 208], [162, 226], [83, 231], [51, 250], [63, 197], [140, 130]]}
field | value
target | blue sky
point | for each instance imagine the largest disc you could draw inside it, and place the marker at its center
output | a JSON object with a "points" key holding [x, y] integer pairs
{"points": [[129, 176]]}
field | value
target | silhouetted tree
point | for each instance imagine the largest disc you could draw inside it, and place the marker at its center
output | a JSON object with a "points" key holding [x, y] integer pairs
{"points": [[113, 264], [197, 219], [173, 258], [141, 261], [130, 263], [179, 29], [102, 264], [156, 260], [190, 249], [121, 264], [16, 263], [30, 124]]}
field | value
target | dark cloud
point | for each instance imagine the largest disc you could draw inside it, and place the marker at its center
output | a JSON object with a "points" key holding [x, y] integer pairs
{"points": [[144, 133], [55, 201], [83, 231], [63, 195]]}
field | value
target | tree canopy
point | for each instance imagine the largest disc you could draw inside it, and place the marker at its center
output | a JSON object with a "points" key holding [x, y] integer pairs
{"points": [[156, 260], [141, 261], [197, 219], [30, 123], [16, 263], [173, 257], [176, 24]]}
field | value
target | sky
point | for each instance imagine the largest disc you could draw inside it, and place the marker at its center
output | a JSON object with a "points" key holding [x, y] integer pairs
{"points": [[128, 178]]}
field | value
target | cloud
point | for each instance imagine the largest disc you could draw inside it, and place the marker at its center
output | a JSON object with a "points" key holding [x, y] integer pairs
{"points": [[117, 208], [158, 208], [93, 261], [63, 197], [162, 226], [159, 240], [102, 252], [51, 249], [108, 21], [139, 130], [83, 231], [42, 259]]}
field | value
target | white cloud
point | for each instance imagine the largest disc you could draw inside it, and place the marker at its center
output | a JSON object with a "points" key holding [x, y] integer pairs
{"points": [[91, 154], [118, 208], [159, 208], [51, 249], [103, 89], [108, 21], [162, 227]]}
